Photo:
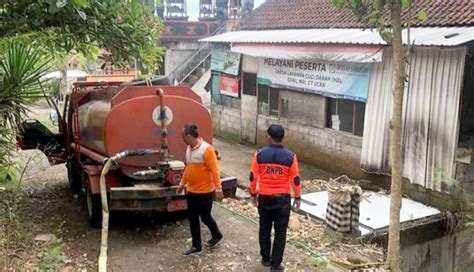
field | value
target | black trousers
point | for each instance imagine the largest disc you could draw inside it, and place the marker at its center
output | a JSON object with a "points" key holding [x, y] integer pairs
{"points": [[273, 210], [200, 206]]}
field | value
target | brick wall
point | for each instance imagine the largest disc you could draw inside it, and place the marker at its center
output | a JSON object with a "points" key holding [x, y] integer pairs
{"points": [[226, 122], [249, 118], [328, 149]]}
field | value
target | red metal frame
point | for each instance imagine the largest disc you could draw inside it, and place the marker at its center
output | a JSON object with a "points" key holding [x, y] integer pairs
{"points": [[105, 84]]}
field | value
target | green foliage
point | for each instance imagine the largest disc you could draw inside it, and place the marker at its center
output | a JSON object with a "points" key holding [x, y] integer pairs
{"points": [[422, 15], [9, 175], [440, 178], [470, 221], [21, 68], [54, 256], [405, 4], [16, 228], [319, 263], [54, 87], [53, 127], [375, 13], [9, 170], [127, 28]]}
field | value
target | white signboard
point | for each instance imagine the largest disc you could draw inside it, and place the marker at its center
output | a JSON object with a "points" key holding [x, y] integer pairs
{"points": [[225, 61]]}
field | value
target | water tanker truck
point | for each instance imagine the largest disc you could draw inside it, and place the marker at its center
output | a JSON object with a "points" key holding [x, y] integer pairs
{"points": [[100, 120]]}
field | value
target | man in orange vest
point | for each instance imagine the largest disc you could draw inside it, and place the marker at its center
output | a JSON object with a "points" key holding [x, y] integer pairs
{"points": [[274, 172], [202, 181]]}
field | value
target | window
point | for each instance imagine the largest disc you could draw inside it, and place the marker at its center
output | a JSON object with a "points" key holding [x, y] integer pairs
{"points": [[262, 99], [306, 109], [359, 118], [346, 115], [274, 101], [270, 101], [249, 83]]}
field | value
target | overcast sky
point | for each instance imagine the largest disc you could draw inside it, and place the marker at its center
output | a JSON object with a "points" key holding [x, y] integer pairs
{"points": [[193, 8]]}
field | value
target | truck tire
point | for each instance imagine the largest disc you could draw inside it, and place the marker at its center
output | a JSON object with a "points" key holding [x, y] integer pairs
{"points": [[94, 208], [74, 175]]}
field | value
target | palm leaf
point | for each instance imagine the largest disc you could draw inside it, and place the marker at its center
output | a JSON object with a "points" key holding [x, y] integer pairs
{"points": [[21, 69]]}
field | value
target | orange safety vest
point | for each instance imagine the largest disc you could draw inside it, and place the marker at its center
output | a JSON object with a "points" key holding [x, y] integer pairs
{"points": [[275, 170], [201, 174]]}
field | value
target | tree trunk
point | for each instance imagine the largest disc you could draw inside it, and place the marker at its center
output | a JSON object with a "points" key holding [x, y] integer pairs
{"points": [[393, 251], [64, 86]]}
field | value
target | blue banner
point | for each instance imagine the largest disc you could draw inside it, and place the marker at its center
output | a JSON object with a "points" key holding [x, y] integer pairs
{"points": [[333, 79]]}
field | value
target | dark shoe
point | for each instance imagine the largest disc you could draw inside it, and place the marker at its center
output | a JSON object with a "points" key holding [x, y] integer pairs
{"points": [[213, 242], [280, 267], [265, 262], [192, 251]]}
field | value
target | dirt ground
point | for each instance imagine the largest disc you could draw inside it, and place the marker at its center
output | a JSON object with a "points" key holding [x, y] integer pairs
{"points": [[137, 242], [236, 159]]}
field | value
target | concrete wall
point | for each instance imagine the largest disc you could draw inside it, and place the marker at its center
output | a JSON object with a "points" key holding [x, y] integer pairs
{"points": [[249, 118], [178, 52], [249, 103], [328, 149], [435, 255], [465, 173], [464, 250], [226, 122], [450, 253]]}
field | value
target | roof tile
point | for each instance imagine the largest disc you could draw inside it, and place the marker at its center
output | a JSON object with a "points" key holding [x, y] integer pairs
{"points": [[284, 14]]}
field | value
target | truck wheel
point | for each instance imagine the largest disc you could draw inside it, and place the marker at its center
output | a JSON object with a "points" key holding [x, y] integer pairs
{"points": [[74, 175], [94, 208]]}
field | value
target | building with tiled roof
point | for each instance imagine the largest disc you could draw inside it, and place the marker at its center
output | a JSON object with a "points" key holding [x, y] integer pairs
{"points": [[327, 78], [298, 14]]}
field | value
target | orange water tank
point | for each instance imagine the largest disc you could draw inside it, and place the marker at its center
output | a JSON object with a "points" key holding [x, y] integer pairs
{"points": [[114, 120]]}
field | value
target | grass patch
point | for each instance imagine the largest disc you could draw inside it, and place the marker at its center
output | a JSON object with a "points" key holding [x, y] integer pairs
{"points": [[315, 260], [10, 176], [54, 256], [319, 263], [14, 229]]}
